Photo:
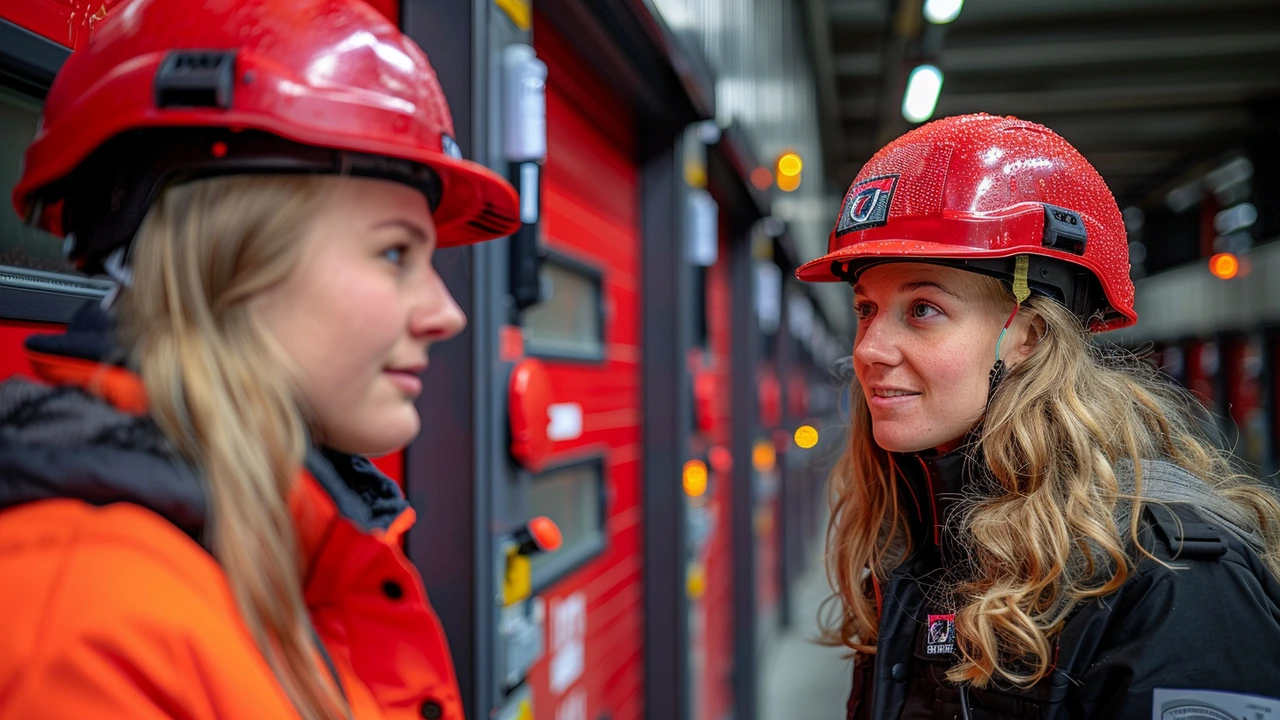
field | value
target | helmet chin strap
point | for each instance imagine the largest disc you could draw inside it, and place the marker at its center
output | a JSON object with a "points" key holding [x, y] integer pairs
{"points": [[1021, 291]]}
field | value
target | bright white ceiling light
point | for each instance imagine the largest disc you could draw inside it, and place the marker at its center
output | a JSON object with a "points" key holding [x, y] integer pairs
{"points": [[921, 97], [941, 12]]}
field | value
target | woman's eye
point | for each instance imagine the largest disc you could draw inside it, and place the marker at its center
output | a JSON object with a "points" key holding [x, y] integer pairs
{"points": [[395, 255], [923, 310]]}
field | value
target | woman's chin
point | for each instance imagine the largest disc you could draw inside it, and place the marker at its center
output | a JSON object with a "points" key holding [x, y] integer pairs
{"points": [[902, 442], [386, 434]]}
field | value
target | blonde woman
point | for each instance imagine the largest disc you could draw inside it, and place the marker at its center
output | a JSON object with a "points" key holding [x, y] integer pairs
{"points": [[189, 526], [1023, 527]]}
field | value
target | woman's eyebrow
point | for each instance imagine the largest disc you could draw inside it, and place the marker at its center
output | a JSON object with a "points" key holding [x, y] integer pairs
{"points": [[922, 284], [911, 287], [413, 229]]}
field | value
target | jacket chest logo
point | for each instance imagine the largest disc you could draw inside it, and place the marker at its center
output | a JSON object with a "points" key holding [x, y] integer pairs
{"points": [[940, 638]]}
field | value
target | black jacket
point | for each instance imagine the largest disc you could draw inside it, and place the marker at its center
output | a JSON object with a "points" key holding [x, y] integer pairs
{"points": [[1209, 623]]}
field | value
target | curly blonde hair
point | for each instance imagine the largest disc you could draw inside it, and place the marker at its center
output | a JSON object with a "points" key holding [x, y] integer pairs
{"points": [[1052, 524]]}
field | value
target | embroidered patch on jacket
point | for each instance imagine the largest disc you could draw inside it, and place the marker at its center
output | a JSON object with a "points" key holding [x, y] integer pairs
{"points": [[941, 638], [867, 204], [1169, 704]]}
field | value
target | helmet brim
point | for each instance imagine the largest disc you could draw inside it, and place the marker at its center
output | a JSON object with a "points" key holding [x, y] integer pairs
{"points": [[476, 203], [823, 270], [840, 265]]}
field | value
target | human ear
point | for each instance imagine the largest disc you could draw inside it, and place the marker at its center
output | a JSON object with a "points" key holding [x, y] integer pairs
{"points": [[1028, 329]]}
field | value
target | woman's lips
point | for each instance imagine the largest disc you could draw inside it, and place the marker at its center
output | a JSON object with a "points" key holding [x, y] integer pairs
{"points": [[408, 382], [891, 397]]}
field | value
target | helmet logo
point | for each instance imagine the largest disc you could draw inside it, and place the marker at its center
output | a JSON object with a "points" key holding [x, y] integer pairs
{"points": [[867, 204], [864, 203]]}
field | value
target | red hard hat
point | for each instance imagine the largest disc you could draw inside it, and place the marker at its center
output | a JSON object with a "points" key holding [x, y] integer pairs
{"points": [[976, 191], [166, 90]]}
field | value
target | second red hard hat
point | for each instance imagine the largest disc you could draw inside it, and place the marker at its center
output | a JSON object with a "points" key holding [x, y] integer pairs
{"points": [[977, 191]]}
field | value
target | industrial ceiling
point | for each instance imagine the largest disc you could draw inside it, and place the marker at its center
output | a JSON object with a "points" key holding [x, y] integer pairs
{"points": [[1151, 91]]}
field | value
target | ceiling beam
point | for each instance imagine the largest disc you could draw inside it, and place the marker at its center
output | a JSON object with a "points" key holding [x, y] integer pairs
{"points": [[859, 64], [865, 13], [1189, 136], [1020, 57], [819, 34], [1161, 96], [859, 107], [1133, 163], [907, 27], [1005, 11], [1037, 56]]}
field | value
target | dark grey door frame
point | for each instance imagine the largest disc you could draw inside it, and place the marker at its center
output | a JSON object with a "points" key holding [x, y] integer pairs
{"points": [[451, 467], [667, 334], [744, 341]]}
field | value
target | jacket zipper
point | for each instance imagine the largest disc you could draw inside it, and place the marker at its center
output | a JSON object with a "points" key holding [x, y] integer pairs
{"points": [[933, 501], [333, 670], [880, 663]]}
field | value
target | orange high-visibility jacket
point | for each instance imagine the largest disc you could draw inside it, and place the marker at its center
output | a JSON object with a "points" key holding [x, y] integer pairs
{"points": [[111, 608]]}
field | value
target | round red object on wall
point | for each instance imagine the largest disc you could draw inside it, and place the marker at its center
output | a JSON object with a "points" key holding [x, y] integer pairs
{"points": [[546, 533], [528, 400]]}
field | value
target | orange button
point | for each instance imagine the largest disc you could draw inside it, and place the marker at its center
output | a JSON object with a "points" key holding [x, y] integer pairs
{"points": [[546, 533]]}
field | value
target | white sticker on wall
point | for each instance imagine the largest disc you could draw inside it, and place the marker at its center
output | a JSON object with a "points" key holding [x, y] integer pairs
{"points": [[565, 421], [568, 640]]}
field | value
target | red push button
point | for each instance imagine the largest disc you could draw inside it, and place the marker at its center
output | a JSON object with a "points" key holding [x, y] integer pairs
{"points": [[528, 400], [546, 533], [540, 534]]}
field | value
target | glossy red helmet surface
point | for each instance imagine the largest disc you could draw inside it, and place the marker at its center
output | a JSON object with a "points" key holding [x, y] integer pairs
{"points": [[974, 190], [332, 74]]}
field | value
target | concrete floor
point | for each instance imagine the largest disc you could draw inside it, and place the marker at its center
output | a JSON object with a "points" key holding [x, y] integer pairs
{"points": [[802, 679]]}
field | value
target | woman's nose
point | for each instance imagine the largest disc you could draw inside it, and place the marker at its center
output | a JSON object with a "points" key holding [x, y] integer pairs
{"points": [[876, 343], [437, 316]]}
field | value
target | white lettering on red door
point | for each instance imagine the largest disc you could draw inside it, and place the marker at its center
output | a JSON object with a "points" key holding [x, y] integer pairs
{"points": [[574, 706], [568, 640]]}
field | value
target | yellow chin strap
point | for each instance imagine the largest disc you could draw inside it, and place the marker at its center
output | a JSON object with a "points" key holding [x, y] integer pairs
{"points": [[1021, 291]]}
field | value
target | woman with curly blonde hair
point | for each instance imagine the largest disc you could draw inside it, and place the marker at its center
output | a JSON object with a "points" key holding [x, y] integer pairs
{"points": [[1024, 526]]}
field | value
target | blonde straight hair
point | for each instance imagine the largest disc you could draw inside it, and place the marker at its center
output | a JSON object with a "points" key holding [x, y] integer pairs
{"points": [[219, 390], [1052, 524]]}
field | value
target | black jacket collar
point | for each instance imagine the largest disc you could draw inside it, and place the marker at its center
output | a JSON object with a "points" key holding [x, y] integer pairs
{"points": [[934, 488]]}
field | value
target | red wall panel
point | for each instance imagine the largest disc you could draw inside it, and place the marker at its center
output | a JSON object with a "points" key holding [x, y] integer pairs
{"points": [[590, 212]]}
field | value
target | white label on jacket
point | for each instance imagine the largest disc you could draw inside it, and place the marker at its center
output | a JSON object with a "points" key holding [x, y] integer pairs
{"points": [[568, 641], [1169, 704]]}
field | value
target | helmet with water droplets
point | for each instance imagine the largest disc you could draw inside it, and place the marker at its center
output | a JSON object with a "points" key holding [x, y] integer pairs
{"points": [[171, 90], [976, 191]]}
